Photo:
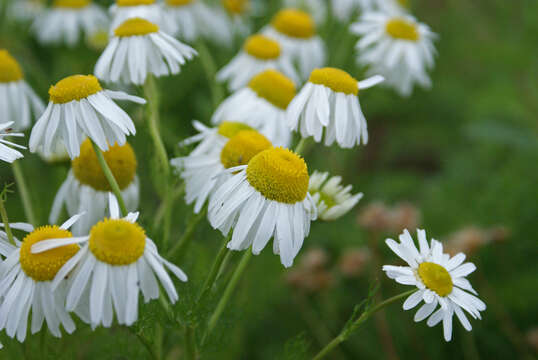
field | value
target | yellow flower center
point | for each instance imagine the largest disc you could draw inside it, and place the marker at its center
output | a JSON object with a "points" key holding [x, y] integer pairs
{"points": [[117, 241], [75, 87], [44, 266], [120, 159], [230, 128], [136, 27], [242, 147], [179, 2], [336, 80], [134, 2], [294, 23], [402, 29], [274, 87], [436, 278], [235, 7], [71, 4], [279, 175], [9, 68], [262, 47]]}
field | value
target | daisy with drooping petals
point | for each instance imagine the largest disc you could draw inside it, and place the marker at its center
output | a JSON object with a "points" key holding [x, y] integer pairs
{"points": [[86, 187], [78, 108], [26, 285], [332, 199], [317, 8], [200, 171], [67, 19], [116, 263], [17, 99], [330, 101], [344, 9], [8, 154], [397, 47], [295, 31], [145, 9], [262, 105], [440, 280], [264, 199], [137, 49]]}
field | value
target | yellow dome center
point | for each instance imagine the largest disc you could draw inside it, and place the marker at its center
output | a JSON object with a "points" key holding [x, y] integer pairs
{"points": [[120, 159], [262, 47], [336, 80], [136, 27], [230, 128], [71, 4], [436, 278], [235, 7], [75, 87], [402, 29], [134, 2], [117, 242], [9, 68], [243, 147], [179, 2], [294, 23], [279, 175], [45, 265], [274, 87]]}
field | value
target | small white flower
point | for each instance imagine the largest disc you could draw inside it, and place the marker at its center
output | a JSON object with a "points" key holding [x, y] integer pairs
{"points": [[137, 49], [440, 280], [8, 154], [317, 8], [149, 10], [329, 101]]}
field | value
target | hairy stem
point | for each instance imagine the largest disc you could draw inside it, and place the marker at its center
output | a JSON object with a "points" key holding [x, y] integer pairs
{"points": [[5, 220], [184, 241], [25, 193], [213, 272]]}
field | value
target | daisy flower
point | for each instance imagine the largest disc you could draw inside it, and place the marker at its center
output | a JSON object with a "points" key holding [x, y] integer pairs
{"points": [[8, 154], [189, 19], [67, 19], [329, 101], [25, 10], [317, 8], [26, 285], [86, 187], [332, 199], [261, 105], [115, 264], [397, 47], [17, 99], [266, 198], [440, 280], [78, 108], [344, 9], [199, 172], [295, 31], [139, 48], [145, 9]]}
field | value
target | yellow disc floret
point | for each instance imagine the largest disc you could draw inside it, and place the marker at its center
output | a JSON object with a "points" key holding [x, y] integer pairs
{"points": [[336, 80], [136, 27], [76, 87], [179, 2], [235, 7], [45, 265], [231, 128], [294, 23], [9, 68], [71, 4], [120, 159], [436, 278], [402, 29], [117, 241], [134, 2], [274, 87], [279, 175], [262, 47], [243, 147]]}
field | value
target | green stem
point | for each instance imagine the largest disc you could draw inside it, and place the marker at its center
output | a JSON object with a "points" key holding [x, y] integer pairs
{"points": [[25, 194], [210, 69], [215, 268], [301, 146], [190, 343], [184, 241], [346, 332], [159, 215], [110, 177], [5, 219]]}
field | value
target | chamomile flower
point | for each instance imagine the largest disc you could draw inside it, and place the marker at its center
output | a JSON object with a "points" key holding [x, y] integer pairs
{"points": [[295, 31], [199, 172], [25, 10], [329, 101], [67, 19], [8, 154], [317, 8], [78, 108], [139, 48], [18, 102], [86, 187], [332, 199], [262, 105], [189, 19], [149, 10], [26, 285], [440, 280], [344, 9], [116, 262], [266, 198], [397, 47]]}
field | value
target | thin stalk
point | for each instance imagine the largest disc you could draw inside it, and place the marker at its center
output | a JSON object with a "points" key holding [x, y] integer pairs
{"points": [[110, 177], [301, 146], [185, 240], [215, 268], [5, 219], [210, 68], [190, 343], [25, 193], [159, 215]]}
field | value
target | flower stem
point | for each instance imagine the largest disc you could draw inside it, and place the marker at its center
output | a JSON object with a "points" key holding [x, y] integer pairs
{"points": [[190, 343], [347, 331], [5, 219], [210, 68], [301, 146], [184, 241], [110, 177], [25, 193], [215, 268]]}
